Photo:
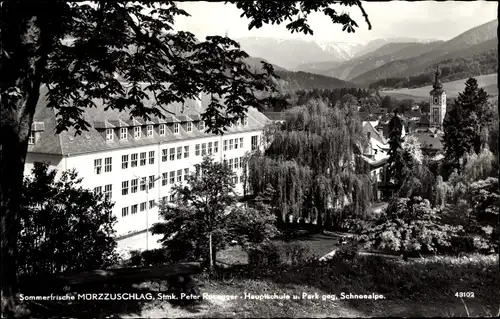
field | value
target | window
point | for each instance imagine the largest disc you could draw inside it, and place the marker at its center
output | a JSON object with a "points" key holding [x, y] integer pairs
{"points": [[151, 181], [235, 143], [162, 130], [98, 189], [109, 134], [107, 191], [368, 135], [179, 152], [231, 163], [172, 198], [164, 199], [225, 146], [236, 163], [124, 161], [124, 187], [176, 128], [134, 209], [172, 153], [435, 100], [133, 160], [124, 211], [435, 115], [151, 204], [202, 126], [241, 162], [238, 122], [209, 148], [149, 130], [189, 126], [151, 157], [137, 131], [107, 164], [197, 150], [186, 174], [164, 179], [143, 183], [235, 180], [186, 151], [123, 133], [164, 155], [245, 121], [98, 166], [143, 158], [172, 177], [31, 138], [179, 175], [216, 147], [241, 142], [230, 144], [143, 206], [204, 149], [133, 185], [254, 142]]}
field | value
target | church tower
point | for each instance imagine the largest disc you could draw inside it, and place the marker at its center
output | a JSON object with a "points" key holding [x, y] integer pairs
{"points": [[437, 103]]}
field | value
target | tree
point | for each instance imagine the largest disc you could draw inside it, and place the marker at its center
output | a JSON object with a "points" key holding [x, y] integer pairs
{"points": [[396, 160], [409, 226], [313, 165], [387, 103], [197, 215], [465, 123], [203, 218], [65, 228], [93, 50]]}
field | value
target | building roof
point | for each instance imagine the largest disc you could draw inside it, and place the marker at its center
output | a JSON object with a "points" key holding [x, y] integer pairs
{"points": [[429, 141], [66, 143], [275, 116]]}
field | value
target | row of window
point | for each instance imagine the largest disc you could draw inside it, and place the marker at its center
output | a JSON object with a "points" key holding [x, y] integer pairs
{"points": [[229, 144], [108, 190], [173, 153], [235, 163], [162, 128], [137, 207], [98, 165]]}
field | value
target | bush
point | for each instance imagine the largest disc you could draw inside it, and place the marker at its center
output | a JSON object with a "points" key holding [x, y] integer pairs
{"points": [[410, 226], [64, 227]]}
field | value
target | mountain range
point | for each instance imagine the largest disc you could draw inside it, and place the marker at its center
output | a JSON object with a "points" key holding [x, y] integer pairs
{"points": [[382, 58]]}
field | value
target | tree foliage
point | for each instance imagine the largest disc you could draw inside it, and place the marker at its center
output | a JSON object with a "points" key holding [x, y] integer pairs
{"points": [[312, 164], [64, 227], [410, 226], [204, 214], [465, 124]]}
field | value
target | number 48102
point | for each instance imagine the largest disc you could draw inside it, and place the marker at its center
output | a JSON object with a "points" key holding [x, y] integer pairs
{"points": [[464, 294]]}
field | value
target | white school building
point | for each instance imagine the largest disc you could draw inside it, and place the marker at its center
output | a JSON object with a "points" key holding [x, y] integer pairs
{"points": [[135, 162]]}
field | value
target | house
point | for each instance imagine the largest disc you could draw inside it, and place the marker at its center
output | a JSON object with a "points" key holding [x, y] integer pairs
{"points": [[276, 117], [376, 154], [135, 162]]}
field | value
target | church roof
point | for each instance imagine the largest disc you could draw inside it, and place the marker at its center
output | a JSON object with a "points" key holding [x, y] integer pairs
{"points": [[437, 87]]}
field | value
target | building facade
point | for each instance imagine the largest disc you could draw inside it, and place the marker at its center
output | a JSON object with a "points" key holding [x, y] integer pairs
{"points": [[437, 103], [134, 162]]}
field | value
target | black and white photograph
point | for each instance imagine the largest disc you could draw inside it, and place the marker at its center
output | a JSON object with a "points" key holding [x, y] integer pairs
{"points": [[249, 159]]}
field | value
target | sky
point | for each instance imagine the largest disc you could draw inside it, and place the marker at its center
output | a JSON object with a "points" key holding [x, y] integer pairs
{"points": [[421, 20]]}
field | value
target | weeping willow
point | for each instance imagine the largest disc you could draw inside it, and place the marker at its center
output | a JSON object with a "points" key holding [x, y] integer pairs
{"points": [[313, 165]]}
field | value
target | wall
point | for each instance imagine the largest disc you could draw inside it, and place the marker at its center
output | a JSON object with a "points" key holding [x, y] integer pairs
{"points": [[55, 162]]}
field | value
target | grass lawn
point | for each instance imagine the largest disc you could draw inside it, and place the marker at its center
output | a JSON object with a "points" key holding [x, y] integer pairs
{"points": [[422, 288]]}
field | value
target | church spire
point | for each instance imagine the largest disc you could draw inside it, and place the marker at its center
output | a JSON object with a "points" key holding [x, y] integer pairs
{"points": [[437, 84]]}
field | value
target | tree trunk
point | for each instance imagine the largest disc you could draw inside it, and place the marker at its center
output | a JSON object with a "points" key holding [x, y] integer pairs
{"points": [[25, 46], [210, 256]]}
